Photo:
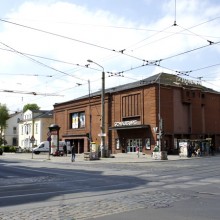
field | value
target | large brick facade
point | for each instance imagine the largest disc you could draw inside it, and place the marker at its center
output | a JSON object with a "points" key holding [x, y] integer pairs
{"points": [[188, 111]]}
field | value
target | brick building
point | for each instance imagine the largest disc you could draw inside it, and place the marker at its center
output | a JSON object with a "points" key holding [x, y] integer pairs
{"points": [[187, 111]]}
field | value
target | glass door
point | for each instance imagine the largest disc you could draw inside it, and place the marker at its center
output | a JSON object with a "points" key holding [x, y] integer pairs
{"points": [[133, 143]]}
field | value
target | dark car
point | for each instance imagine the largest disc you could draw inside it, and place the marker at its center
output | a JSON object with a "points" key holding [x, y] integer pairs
{"points": [[1, 151]]}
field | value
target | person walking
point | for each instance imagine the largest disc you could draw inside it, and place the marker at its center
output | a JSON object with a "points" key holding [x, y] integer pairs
{"points": [[64, 150], [73, 152]]}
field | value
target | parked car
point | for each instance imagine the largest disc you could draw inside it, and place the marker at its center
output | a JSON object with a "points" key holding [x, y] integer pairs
{"points": [[44, 147], [1, 151]]}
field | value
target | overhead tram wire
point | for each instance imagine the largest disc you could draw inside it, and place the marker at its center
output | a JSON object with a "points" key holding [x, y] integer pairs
{"points": [[200, 36], [157, 62], [153, 35], [23, 74], [121, 51], [189, 51], [206, 67], [178, 32], [51, 59], [40, 63], [45, 58], [56, 60], [73, 39], [28, 93], [91, 44]]}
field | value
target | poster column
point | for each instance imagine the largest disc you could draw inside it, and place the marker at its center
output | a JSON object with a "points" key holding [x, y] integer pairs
{"points": [[54, 132]]}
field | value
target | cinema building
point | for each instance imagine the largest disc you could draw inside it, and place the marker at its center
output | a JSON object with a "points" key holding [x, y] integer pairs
{"points": [[187, 110]]}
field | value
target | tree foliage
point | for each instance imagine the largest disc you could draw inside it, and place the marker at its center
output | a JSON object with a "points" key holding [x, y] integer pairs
{"points": [[30, 107], [4, 116]]}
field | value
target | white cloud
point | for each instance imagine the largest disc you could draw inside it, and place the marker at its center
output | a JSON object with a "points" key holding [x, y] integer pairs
{"points": [[93, 33]]}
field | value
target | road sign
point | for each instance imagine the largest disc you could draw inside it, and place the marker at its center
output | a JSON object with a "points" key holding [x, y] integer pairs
{"points": [[32, 139]]}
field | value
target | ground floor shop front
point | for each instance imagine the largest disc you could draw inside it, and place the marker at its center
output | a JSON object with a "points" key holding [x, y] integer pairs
{"points": [[142, 139], [81, 144]]}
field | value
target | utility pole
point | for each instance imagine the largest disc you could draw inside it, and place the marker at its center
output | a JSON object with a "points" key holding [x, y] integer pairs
{"points": [[159, 116], [102, 134]]}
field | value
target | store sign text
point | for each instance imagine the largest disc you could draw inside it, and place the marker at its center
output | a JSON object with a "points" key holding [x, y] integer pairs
{"points": [[127, 123], [187, 81]]}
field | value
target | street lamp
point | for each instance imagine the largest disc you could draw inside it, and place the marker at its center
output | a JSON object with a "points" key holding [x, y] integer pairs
{"points": [[102, 109]]}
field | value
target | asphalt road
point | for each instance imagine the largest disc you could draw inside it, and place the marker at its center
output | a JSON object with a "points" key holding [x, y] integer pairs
{"points": [[180, 190]]}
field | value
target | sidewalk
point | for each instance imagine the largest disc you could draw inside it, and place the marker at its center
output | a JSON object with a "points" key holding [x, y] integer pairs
{"points": [[116, 158]]}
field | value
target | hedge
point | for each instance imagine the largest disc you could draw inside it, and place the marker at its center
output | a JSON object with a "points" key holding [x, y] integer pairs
{"points": [[8, 148]]}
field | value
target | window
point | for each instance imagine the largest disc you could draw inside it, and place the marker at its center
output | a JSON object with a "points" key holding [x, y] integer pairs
{"points": [[27, 129], [131, 105], [14, 130], [36, 128], [78, 120], [14, 141]]}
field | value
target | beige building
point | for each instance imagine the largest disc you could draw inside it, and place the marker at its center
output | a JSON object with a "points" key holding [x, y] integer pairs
{"points": [[33, 127]]}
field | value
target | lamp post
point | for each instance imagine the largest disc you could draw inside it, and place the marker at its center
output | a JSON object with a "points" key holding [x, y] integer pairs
{"points": [[102, 109]]}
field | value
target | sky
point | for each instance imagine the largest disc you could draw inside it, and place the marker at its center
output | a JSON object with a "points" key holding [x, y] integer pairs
{"points": [[45, 46]]}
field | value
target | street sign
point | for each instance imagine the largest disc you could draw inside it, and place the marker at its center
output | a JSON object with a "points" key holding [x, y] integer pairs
{"points": [[32, 139], [155, 129]]}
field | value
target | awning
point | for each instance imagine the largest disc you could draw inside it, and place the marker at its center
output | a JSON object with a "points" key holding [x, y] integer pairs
{"points": [[129, 127]]}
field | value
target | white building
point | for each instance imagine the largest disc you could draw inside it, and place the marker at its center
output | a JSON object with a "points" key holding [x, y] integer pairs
{"points": [[11, 132], [34, 126]]}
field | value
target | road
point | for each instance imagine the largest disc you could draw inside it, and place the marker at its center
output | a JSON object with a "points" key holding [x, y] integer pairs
{"points": [[180, 190]]}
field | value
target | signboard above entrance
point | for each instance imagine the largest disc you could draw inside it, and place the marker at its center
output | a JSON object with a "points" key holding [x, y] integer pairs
{"points": [[127, 123]]}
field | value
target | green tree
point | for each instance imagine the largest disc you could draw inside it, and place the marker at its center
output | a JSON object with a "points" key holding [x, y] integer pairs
{"points": [[30, 107], [4, 116]]}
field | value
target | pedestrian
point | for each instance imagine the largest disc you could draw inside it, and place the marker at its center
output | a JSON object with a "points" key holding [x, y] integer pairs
{"points": [[189, 152], [212, 150], [138, 151], [64, 150], [73, 152]]}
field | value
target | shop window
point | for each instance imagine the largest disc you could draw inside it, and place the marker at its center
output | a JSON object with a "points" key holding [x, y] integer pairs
{"points": [[117, 144], [147, 144], [77, 120]]}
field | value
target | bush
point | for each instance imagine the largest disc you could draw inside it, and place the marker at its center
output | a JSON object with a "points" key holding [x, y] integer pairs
{"points": [[12, 149], [8, 148], [5, 148]]}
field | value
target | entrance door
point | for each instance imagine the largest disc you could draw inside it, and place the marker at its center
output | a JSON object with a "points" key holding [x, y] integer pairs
{"points": [[133, 143]]}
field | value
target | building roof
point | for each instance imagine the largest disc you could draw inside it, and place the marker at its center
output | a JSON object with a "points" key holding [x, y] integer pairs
{"points": [[160, 78], [43, 113]]}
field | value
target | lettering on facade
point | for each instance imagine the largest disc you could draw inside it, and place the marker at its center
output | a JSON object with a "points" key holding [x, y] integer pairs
{"points": [[187, 81], [127, 123]]}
